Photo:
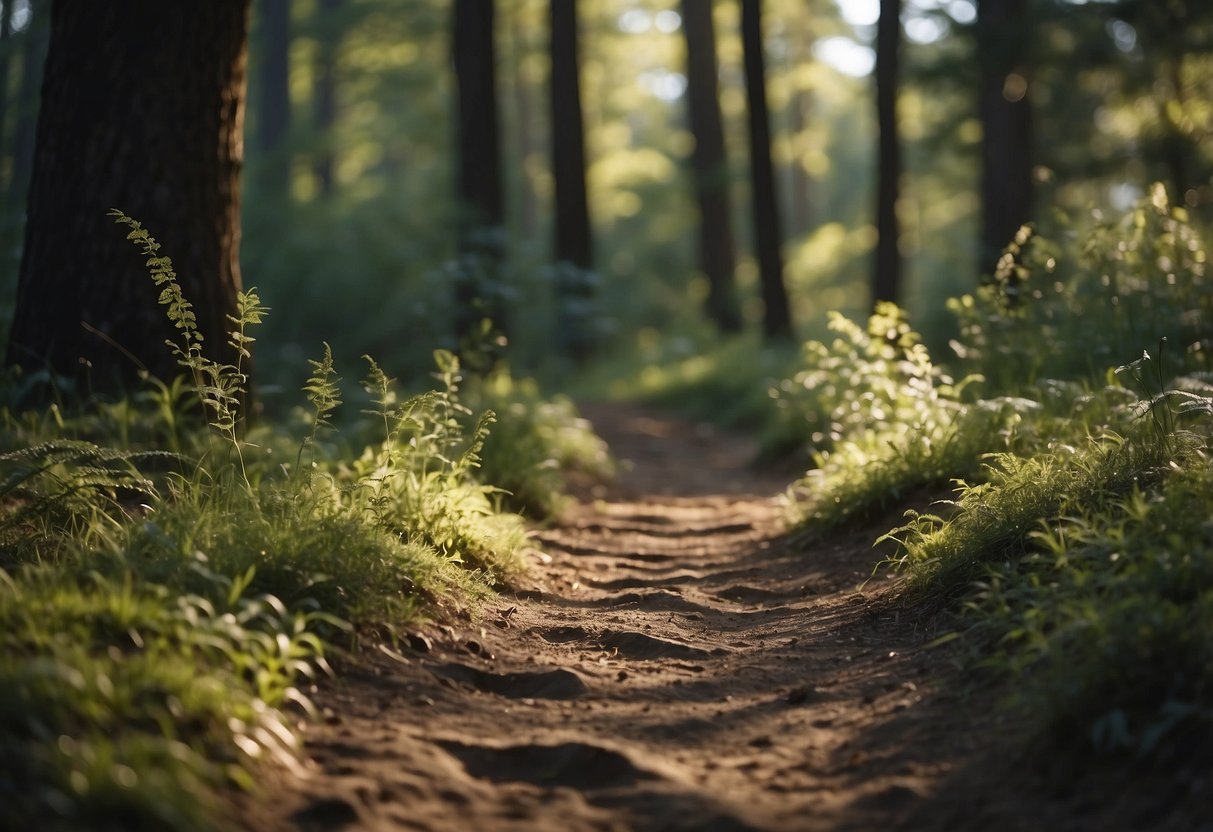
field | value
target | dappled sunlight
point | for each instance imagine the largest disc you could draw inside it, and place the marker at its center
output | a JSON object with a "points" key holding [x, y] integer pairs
{"points": [[547, 415]]}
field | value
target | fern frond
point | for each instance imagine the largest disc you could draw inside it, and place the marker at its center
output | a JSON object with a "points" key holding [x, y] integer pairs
{"points": [[321, 388]]}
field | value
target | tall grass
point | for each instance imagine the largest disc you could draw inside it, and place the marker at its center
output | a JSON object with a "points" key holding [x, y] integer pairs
{"points": [[1073, 554], [166, 592]]}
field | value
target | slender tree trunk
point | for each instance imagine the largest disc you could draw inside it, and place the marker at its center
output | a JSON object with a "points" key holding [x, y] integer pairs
{"points": [[274, 113], [886, 281], [142, 110], [573, 240], [481, 203], [33, 54], [324, 102], [1177, 144], [717, 252], [1006, 119], [776, 318], [524, 117]]}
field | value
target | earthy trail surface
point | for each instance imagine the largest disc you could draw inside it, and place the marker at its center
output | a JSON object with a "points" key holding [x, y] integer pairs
{"points": [[672, 666]]}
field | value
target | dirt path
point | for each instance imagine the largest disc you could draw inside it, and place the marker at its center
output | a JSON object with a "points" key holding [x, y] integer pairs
{"points": [[672, 667]]}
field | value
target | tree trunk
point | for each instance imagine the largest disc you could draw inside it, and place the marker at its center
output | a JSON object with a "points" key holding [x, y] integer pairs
{"points": [[1006, 121], [573, 241], [274, 115], [481, 203], [886, 281], [776, 319], [524, 136], [328, 37], [142, 110], [33, 55], [717, 252]]}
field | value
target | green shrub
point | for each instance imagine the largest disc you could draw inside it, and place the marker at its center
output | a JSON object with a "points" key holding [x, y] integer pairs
{"points": [[159, 608]]}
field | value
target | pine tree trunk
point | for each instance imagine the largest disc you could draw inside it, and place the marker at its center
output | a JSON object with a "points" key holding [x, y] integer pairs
{"points": [[142, 110], [1006, 120], [717, 252], [886, 282], [573, 241], [524, 135], [768, 236], [481, 202]]}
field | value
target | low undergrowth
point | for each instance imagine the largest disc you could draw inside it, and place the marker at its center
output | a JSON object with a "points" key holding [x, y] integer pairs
{"points": [[171, 579], [1074, 556]]}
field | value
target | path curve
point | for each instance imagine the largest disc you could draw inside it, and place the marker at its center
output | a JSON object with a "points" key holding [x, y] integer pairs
{"points": [[670, 665]]}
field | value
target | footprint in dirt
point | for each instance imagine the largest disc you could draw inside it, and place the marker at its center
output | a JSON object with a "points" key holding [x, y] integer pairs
{"points": [[605, 777], [557, 683], [629, 644]]}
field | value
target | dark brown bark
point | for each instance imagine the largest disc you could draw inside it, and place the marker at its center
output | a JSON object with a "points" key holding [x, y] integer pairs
{"points": [[573, 241], [768, 236], [1006, 119], [479, 189], [324, 101], [274, 111], [886, 280], [142, 110], [33, 54], [717, 251]]}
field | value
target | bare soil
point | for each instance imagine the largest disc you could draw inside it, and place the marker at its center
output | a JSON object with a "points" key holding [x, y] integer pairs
{"points": [[673, 664]]}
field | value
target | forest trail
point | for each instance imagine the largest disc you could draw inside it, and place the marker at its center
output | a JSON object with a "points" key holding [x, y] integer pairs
{"points": [[672, 666]]}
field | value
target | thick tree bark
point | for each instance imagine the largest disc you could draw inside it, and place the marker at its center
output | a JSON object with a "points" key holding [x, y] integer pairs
{"points": [[274, 113], [33, 54], [886, 280], [573, 240], [717, 252], [1006, 120], [479, 189], [142, 110], [768, 236], [324, 101]]}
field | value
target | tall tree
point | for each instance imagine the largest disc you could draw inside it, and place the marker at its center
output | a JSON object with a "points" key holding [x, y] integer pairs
{"points": [[142, 110], [1006, 120], [274, 111], [886, 280], [324, 90], [709, 160], [573, 239], [768, 236], [525, 138], [481, 203]]}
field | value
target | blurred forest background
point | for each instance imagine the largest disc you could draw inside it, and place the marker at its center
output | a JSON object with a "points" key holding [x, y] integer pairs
{"points": [[351, 200]]}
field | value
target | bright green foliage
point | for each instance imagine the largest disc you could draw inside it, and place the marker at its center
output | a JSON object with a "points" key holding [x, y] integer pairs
{"points": [[883, 419], [220, 387], [1092, 568], [1072, 310], [536, 445], [1075, 554], [157, 613]]}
